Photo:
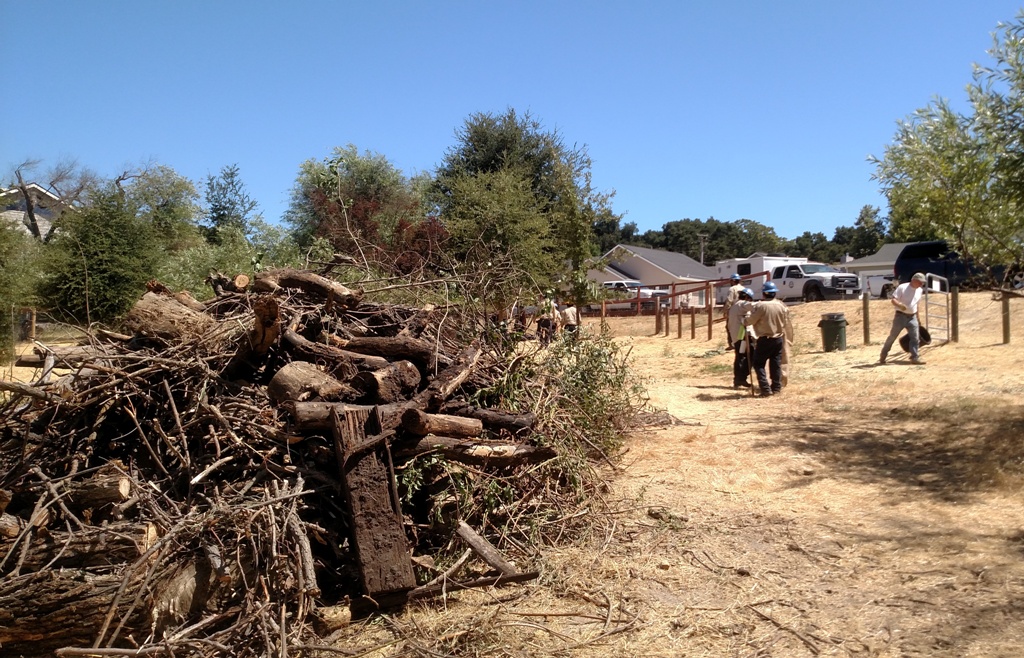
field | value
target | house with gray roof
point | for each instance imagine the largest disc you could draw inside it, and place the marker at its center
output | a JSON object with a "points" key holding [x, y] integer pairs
{"points": [[879, 263], [14, 212], [654, 268]]}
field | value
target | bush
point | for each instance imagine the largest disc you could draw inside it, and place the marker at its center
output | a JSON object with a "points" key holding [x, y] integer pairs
{"points": [[19, 271], [99, 260]]}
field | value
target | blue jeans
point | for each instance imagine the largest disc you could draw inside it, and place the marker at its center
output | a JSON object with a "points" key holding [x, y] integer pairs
{"points": [[900, 322]]}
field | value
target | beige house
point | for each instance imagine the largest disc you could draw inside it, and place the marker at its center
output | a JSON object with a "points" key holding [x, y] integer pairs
{"points": [[654, 268]]}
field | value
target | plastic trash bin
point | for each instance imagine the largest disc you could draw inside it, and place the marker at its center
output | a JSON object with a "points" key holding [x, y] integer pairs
{"points": [[833, 331]]}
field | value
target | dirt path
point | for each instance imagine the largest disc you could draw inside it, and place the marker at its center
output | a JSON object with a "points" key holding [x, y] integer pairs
{"points": [[868, 510]]}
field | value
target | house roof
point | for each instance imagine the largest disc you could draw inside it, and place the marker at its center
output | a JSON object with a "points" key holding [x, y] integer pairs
{"points": [[672, 262], [884, 257], [12, 207]]}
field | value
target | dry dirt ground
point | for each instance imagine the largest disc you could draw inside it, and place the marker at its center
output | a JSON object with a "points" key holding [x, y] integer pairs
{"points": [[866, 511]]}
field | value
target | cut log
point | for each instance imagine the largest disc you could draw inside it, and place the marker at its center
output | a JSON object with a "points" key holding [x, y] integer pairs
{"points": [[391, 384], [46, 610], [493, 419], [300, 381], [421, 423], [96, 546], [343, 365], [377, 532], [167, 318], [184, 297], [10, 527], [65, 357], [397, 347], [223, 285], [362, 361], [417, 323], [316, 416], [265, 331], [448, 380], [107, 486], [479, 452], [314, 284]]}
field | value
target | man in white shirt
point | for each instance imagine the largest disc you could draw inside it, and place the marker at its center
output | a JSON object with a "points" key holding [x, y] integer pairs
{"points": [[906, 298]]}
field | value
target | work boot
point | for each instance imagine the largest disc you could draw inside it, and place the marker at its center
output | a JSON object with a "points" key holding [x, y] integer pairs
{"points": [[766, 392], [917, 362]]}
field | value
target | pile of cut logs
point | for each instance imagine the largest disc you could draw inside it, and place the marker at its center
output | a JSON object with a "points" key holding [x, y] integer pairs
{"points": [[219, 478]]}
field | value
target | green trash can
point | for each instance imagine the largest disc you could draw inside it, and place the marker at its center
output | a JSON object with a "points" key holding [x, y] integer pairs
{"points": [[833, 331]]}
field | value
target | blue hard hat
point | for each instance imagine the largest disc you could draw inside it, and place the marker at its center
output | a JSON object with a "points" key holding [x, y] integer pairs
{"points": [[769, 287], [735, 277], [748, 292]]}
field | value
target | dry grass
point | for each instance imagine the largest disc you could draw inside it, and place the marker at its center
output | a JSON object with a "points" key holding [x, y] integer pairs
{"points": [[867, 511]]}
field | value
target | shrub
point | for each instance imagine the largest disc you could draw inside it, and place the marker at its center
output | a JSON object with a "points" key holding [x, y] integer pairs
{"points": [[99, 260]]}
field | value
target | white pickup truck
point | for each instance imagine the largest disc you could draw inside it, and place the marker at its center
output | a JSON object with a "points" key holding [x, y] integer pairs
{"points": [[814, 282], [881, 285]]}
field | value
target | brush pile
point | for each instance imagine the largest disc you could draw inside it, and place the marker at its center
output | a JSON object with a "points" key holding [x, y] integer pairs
{"points": [[231, 478]]}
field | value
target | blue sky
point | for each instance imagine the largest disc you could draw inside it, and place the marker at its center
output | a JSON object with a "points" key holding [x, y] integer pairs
{"points": [[758, 110]]}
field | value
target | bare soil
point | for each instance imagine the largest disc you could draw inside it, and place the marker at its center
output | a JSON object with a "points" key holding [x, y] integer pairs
{"points": [[867, 510]]}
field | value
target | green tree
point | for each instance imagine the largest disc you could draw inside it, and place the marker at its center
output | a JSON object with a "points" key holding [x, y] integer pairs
{"points": [[556, 179], [959, 177], [228, 204], [169, 203], [500, 237], [18, 276], [364, 206], [815, 246], [868, 233], [99, 258]]}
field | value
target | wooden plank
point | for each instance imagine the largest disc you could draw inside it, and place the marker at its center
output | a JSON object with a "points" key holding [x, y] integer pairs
{"points": [[377, 533]]}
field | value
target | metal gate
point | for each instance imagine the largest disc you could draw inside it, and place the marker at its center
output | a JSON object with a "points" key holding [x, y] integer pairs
{"points": [[936, 306]]}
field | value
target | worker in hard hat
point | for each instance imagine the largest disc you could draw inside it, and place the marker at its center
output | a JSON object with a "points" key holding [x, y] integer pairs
{"points": [[734, 295], [770, 321], [741, 362]]}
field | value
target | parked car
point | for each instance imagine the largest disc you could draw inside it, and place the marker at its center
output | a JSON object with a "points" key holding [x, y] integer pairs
{"points": [[935, 257], [626, 289]]}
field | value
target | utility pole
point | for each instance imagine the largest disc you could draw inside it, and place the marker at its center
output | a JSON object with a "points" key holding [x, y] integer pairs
{"points": [[703, 238]]}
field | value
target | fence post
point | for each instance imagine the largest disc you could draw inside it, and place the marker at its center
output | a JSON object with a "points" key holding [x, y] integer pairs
{"points": [[657, 320], [679, 322], [668, 319], [867, 318], [1006, 319], [693, 323], [709, 301], [954, 314]]}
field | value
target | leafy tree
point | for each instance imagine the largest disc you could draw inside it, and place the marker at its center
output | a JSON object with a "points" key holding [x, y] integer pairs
{"points": [[868, 233], [716, 239], [18, 270], [815, 246], [99, 258], [499, 235], [169, 203], [556, 179], [228, 204], [958, 176], [364, 207]]}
